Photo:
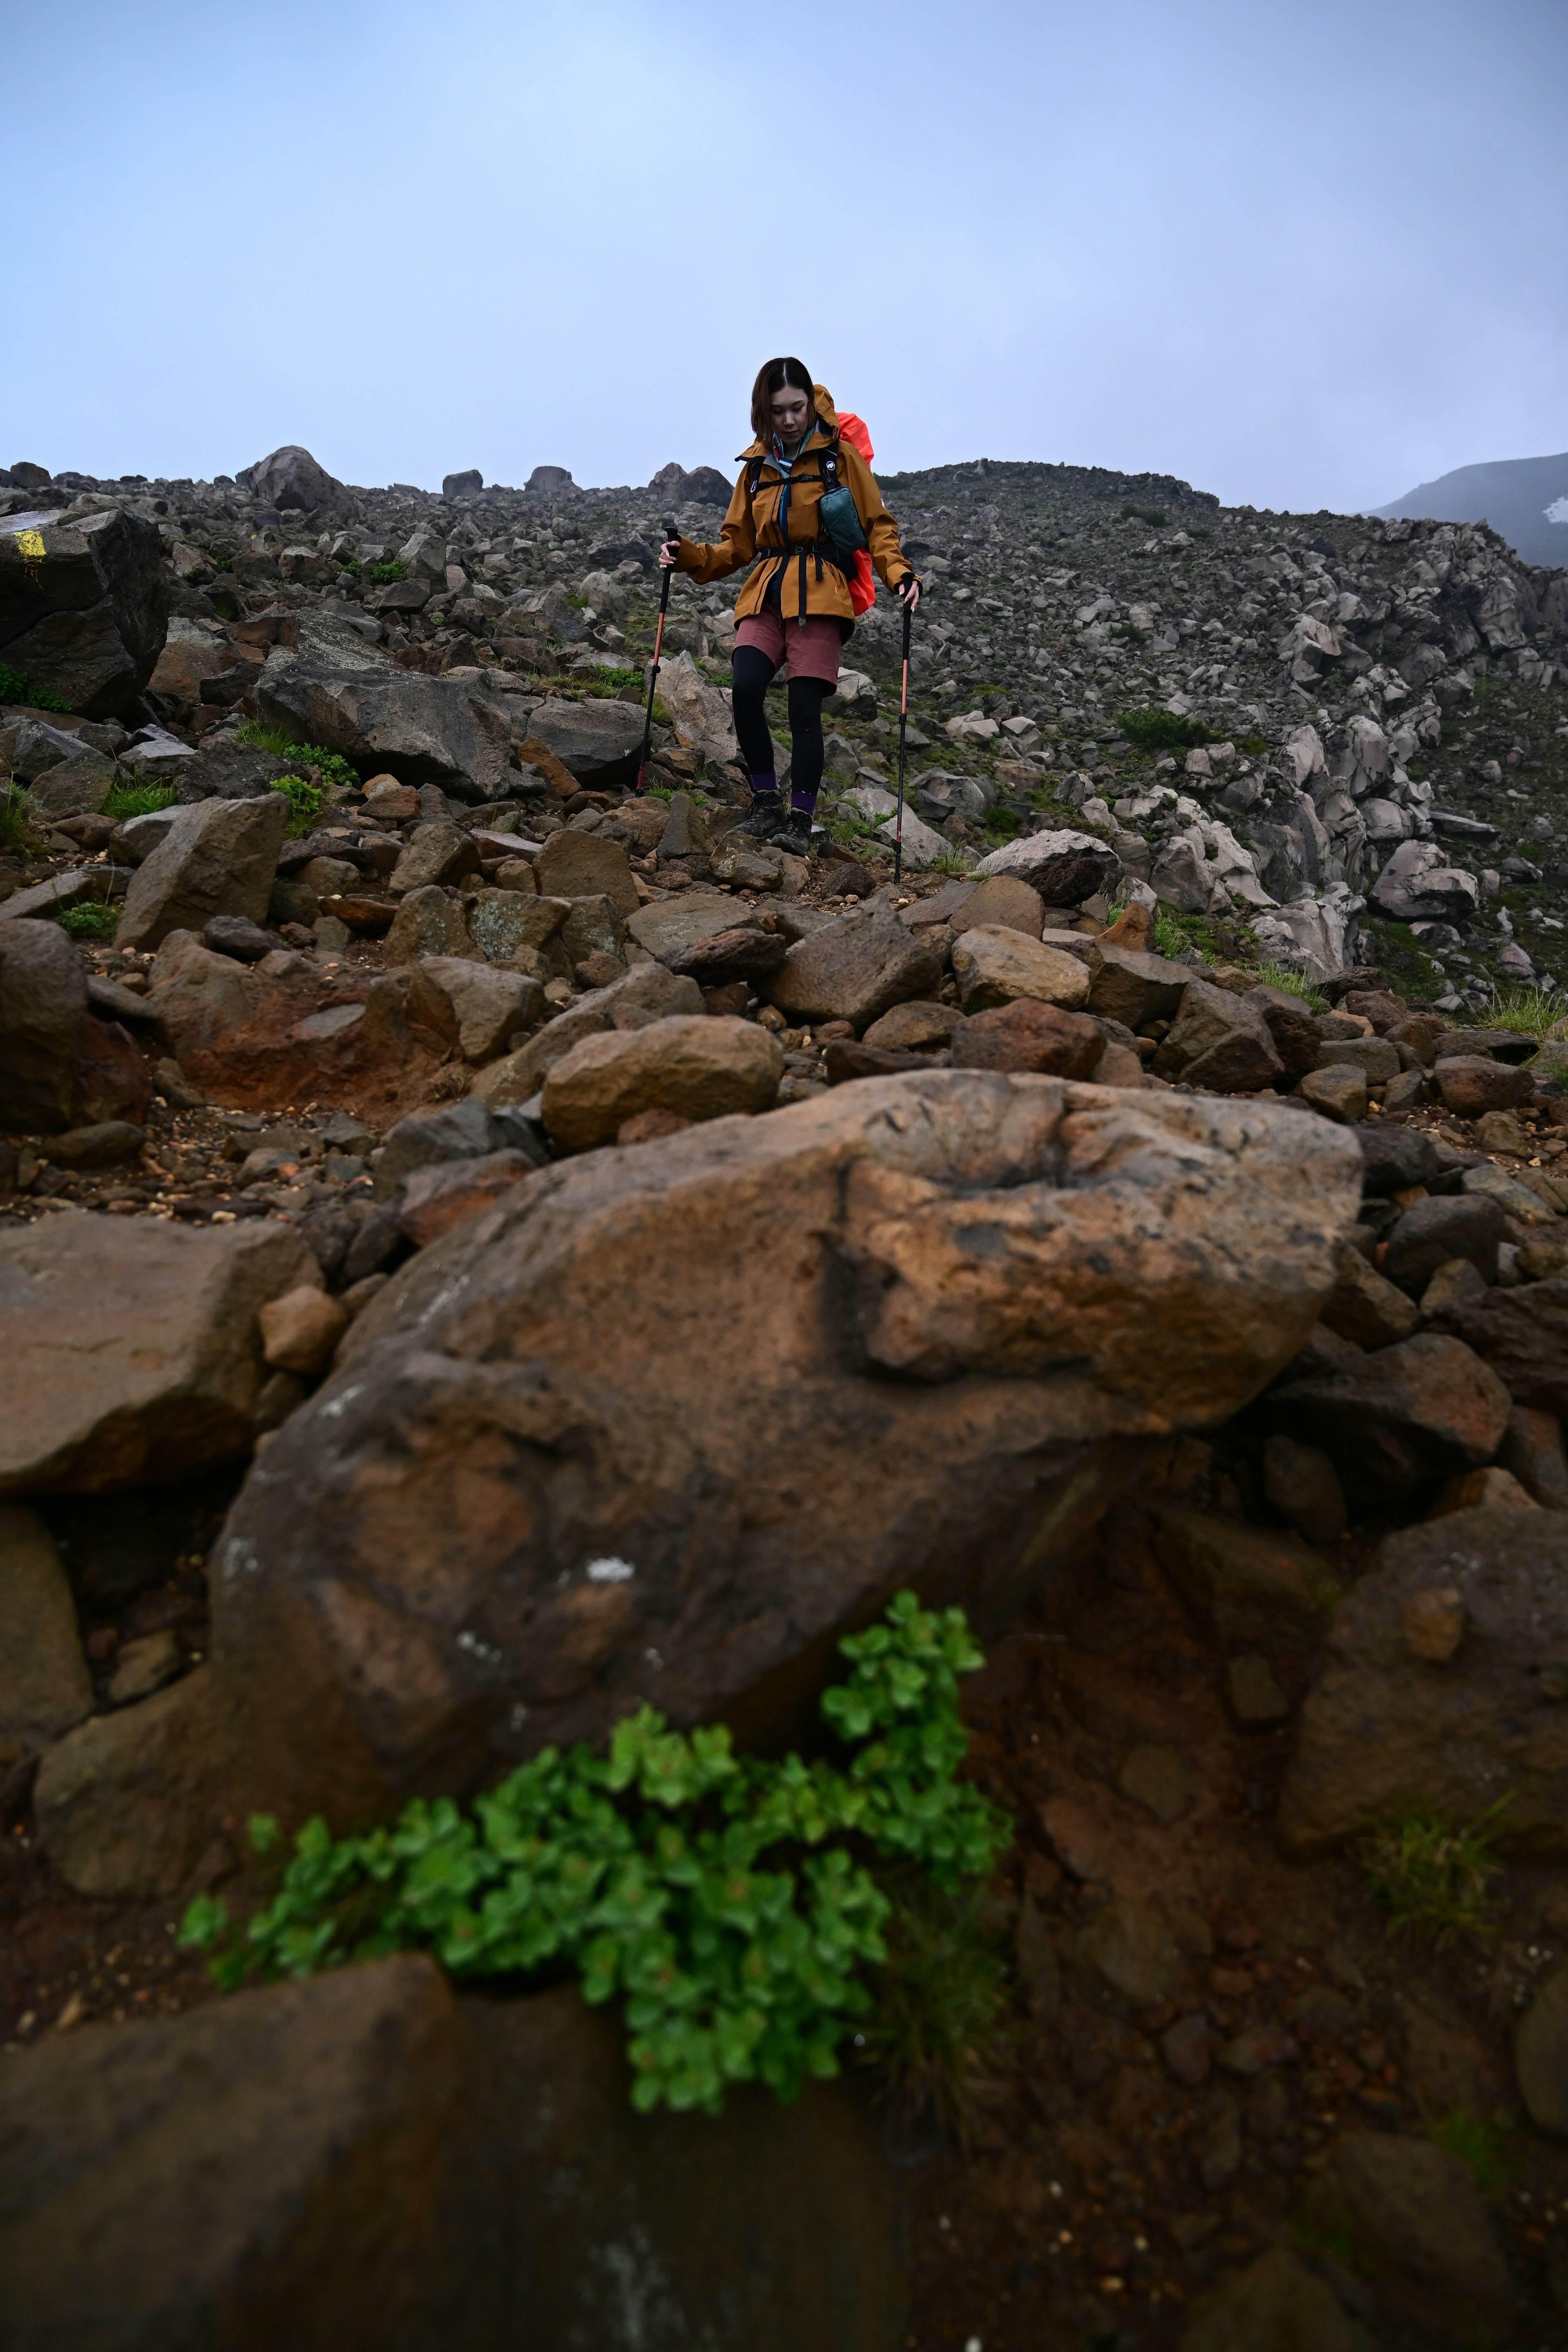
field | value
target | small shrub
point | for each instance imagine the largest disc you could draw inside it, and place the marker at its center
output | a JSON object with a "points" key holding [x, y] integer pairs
{"points": [[941, 1996], [1162, 731], [90, 921], [727, 1899], [385, 575], [1174, 934], [18, 838], [1535, 1011], [16, 688], [1154, 516], [304, 800], [351, 564], [1432, 1877], [333, 769], [1477, 2141], [137, 800], [1280, 975], [949, 861], [222, 563], [1255, 746]]}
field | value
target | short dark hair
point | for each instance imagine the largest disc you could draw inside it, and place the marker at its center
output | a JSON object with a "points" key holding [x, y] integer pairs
{"points": [[771, 379]]}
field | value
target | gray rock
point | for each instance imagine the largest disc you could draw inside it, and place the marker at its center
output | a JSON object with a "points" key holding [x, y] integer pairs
{"points": [[669, 926], [228, 771], [646, 993], [580, 865], [1303, 1486], [43, 1003], [462, 486], [440, 853], [291, 477], [430, 922], [134, 1356], [1419, 885], [473, 1004], [1423, 2237], [854, 968], [87, 620], [133, 841], [217, 858], [1065, 868], [1405, 1417], [508, 926], [599, 742], [73, 787], [569, 1295], [1218, 1042], [1430, 1233], [420, 730], [45, 1687], [237, 936], [36, 746], [127, 1803], [464, 1130]]}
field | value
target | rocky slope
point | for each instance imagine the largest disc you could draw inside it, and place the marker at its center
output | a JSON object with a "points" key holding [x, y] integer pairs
{"points": [[479, 1248]]}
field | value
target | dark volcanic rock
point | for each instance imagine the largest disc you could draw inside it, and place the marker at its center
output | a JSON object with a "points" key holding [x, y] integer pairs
{"points": [[84, 610]]}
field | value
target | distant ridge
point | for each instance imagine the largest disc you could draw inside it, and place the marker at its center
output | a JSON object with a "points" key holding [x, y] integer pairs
{"points": [[1513, 495]]}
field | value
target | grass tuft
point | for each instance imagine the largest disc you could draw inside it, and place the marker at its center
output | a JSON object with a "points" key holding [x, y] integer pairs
{"points": [[1433, 1878], [1534, 1011], [15, 687], [941, 1996], [1281, 975], [1477, 2141], [137, 800], [333, 769], [1162, 731]]}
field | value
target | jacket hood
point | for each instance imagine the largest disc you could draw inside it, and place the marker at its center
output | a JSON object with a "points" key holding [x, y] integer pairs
{"points": [[826, 417]]}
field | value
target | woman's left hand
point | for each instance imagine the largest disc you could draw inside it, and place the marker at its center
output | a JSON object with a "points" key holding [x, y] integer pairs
{"points": [[909, 593]]}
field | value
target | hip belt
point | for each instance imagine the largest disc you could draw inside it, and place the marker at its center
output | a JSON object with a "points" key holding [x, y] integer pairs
{"points": [[822, 550]]}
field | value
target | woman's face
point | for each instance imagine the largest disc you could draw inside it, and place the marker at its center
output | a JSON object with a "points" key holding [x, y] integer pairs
{"points": [[790, 408]]}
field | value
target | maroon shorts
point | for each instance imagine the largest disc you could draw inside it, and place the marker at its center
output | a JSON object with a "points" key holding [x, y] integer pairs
{"points": [[809, 649]]}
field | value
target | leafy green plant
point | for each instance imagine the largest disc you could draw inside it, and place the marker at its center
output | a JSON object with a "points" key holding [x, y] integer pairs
{"points": [[1478, 2141], [385, 575], [16, 688], [1535, 1011], [351, 564], [222, 563], [90, 921], [1174, 934], [1432, 1877], [304, 799], [1154, 516], [1281, 975], [1163, 730], [1255, 746], [940, 1996], [137, 800], [334, 771], [728, 1900]]}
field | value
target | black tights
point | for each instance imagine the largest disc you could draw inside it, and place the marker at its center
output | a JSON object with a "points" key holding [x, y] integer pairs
{"points": [[754, 673]]}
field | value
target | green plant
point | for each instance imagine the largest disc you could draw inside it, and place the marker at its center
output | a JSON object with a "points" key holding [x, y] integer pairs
{"points": [[137, 800], [90, 921], [941, 1996], [1536, 1011], [1154, 516], [727, 1899], [1174, 934], [1281, 975], [1255, 746], [304, 800], [333, 769], [1478, 2141], [384, 575], [222, 563], [17, 688], [1162, 731], [948, 861], [1432, 1877]]}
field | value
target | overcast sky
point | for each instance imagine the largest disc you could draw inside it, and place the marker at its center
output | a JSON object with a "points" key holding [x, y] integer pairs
{"points": [[1302, 257]]}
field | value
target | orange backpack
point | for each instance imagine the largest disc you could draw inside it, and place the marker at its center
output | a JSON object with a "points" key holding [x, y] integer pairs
{"points": [[862, 579]]}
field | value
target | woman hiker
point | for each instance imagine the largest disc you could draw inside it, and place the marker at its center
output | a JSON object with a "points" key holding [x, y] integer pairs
{"points": [[795, 607]]}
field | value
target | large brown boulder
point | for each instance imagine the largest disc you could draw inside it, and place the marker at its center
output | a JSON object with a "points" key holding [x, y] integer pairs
{"points": [[219, 857], [132, 1354], [1391, 1726], [43, 1007], [853, 969], [366, 2162], [400, 722], [666, 1423], [1403, 1417], [84, 607]]}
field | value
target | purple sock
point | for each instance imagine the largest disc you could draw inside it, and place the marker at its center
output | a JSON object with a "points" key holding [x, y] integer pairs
{"points": [[765, 788], [802, 803]]}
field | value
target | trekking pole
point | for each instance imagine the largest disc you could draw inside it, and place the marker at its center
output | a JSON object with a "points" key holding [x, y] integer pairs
{"points": [[670, 529], [903, 723]]}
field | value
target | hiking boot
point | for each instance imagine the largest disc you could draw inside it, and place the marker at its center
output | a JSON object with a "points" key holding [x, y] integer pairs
{"points": [[764, 821], [795, 833]]}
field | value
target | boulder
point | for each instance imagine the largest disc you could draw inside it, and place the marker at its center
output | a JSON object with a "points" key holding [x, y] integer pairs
{"points": [[284, 1031], [1446, 1225], [217, 858], [1396, 1159], [463, 1131], [401, 722], [1129, 985], [1471, 1084], [854, 968], [43, 1007], [435, 1199], [1278, 2303], [581, 1366], [1386, 1728], [1367, 1308], [110, 1080], [133, 1356], [465, 485], [475, 1006], [1001, 900], [1522, 1334], [45, 1685], [914, 1026], [1218, 1042], [1338, 1094], [730, 956], [299, 1330], [1026, 1034], [698, 711], [1405, 1417], [514, 927], [430, 922], [995, 965], [1419, 885], [80, 784], [127, 1803], [1065, 868], [599, 742], [436, 853], [646, 993], [291, 477], [668, 926], [699, 1067], [1540, 2056], [1248, 1587], [364, 2158], [580, 865], [84, 607], [1418, 2230]]}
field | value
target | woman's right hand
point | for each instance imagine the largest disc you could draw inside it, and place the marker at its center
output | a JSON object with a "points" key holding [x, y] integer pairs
{"points": [[669, 555]]}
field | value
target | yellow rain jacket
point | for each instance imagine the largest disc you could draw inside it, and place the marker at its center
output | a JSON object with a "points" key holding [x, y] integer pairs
{"points": [[811, 583]]}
